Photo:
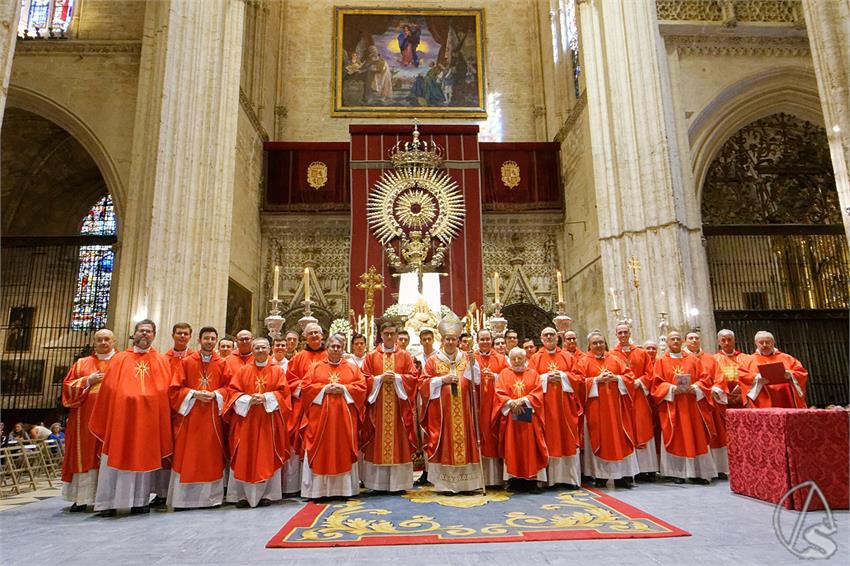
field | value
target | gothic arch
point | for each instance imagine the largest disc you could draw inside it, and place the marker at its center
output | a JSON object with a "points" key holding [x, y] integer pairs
{"points": [[527, 319], [37, 103], [791, 90]]}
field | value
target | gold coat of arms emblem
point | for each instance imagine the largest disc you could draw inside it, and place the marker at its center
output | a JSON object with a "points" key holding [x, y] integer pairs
{"points": [[317, 175], [510, 174]]}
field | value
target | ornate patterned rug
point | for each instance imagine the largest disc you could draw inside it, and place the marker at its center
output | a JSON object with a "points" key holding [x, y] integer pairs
{"points": [[425, 517]]}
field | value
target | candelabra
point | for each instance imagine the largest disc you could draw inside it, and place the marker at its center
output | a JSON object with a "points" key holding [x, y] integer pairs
{"points": [[497, 322], [274, 322], [308, 315], [663, 329], [562, 321]]}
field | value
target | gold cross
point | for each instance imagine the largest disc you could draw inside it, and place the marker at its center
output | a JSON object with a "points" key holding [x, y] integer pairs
{"points": [[370, 282], [677, 370], [205, 381], [260, 384], [333, 377], [519, 389], [553, 366], [142, 368], [634, 265]]}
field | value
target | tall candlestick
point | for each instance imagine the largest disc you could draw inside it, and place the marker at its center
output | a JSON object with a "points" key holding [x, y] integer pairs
{"points": [[614, 298], [306, 283], [496, 286], [560, 287], [276, 278]]}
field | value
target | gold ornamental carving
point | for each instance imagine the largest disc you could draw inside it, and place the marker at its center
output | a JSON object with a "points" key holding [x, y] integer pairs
{"points": [[317, 175], [510, 174]]}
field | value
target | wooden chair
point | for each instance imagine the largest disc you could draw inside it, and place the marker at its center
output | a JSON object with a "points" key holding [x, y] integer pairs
{"points": [[17, 463], [38, 456]]}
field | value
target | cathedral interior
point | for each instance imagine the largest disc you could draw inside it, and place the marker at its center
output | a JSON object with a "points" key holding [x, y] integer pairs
{"points": [[676, 164]]}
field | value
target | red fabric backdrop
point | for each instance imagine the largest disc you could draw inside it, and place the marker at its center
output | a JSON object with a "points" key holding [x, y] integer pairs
{"points": [[286, 176], [540, 180], [370, 146]]}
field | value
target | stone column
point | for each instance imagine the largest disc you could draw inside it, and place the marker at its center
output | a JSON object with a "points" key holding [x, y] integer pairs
{"points": [[10, 14], [174, 255], [640, 173], [828, 25]]}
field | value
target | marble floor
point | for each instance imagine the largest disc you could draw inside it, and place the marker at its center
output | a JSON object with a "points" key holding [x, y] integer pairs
{"points": [[726, 528]]}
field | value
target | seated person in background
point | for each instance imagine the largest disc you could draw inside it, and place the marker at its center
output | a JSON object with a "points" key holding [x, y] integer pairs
{"points": [[56, 433], [39, 432], [18, 434]]}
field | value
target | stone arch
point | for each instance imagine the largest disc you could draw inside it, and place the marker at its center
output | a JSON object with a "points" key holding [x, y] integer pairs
{"points": [[37, 103], [527, 319], [791, 90]]}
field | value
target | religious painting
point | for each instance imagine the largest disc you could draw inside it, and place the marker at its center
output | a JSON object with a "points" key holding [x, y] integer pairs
{"points": [[19, 330], [409, 62], [21, 376], [59, 373], [239, 308]]}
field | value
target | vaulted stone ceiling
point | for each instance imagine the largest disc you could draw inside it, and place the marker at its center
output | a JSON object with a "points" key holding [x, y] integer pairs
{"points": [[48, 181]]}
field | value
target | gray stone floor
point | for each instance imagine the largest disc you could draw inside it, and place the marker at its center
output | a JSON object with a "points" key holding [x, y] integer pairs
{"points": [[726, 528]]}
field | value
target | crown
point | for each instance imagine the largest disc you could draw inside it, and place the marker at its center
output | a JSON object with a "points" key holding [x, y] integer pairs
{"points": [[416, 153]]}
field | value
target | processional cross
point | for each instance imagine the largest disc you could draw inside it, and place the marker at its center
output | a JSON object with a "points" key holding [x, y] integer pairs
{"points": [[634, 266]]}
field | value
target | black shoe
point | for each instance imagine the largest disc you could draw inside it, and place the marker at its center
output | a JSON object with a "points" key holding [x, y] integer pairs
{"points": [[77, 508], [264, 502], [600, 483], [678, 481], [722, 476], [586, 479], [158, 501], [699, 481], [143, 510], [571, 486], [179, 509], [242, 504], [107, 513], [650, 477], [623, 483]]}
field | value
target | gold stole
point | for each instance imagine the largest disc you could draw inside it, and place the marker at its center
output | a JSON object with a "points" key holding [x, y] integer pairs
{"points": [[388, 406], [457, 424]]}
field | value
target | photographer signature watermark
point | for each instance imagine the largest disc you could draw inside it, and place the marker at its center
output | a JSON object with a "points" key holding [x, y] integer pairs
{"points": [[806, 534]]}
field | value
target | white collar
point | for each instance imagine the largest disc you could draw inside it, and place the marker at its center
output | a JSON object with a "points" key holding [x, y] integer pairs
{"points": [[107, 356], [138, 350], [676, 355], [261, 364]]}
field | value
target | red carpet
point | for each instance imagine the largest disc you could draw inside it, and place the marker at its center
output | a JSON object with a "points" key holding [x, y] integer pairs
{"points": [[424, 517]]}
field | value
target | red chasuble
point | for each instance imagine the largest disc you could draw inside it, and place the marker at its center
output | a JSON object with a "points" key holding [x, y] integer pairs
{"points": [[561, 408], [520, 443], [728, 365], [638, 361], [132, 416], [300, 364], [495, 362], [199, 447], [718, 415], [82, 448], [609, 415], [686, 424], [259, 442], [389, 433], [783, 395], [447, 420], [174, 359], [329, 429]]}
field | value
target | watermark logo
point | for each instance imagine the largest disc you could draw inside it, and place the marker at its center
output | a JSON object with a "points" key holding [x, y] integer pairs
{"points": [[808, 535]]}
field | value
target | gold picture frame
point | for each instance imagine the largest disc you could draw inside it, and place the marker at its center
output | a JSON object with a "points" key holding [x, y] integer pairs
{"points": [[408, 62]]}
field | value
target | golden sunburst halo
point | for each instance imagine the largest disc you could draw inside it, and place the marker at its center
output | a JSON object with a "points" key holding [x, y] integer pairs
{"points": [[415, 209]]}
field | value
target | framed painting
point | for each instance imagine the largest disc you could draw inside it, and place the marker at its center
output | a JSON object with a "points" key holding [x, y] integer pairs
{"points": [[409, 62], [240, 308], [19, 330], [21, 377]]}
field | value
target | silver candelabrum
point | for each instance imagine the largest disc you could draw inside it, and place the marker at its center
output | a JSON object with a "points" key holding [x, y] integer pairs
{"points": [[308, 315], [497, 322], [274, 322]]}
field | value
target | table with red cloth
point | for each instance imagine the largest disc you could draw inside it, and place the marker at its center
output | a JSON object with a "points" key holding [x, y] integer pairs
{"points": [[774, 450]]}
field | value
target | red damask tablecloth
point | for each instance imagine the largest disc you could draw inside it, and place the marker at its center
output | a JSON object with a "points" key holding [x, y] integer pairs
{"points": [[774, 450]]}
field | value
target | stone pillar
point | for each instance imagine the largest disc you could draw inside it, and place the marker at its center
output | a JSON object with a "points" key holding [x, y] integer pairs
{"points": [[10, 14], [828, 25], [174, 255], [639, 174]]}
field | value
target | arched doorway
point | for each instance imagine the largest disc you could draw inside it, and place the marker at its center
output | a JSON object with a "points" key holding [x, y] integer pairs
{"points": [[59, 230], [777, 254], [528, 320]]}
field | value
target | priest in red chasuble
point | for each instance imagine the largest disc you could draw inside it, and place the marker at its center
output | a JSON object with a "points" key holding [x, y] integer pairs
{"points": [[639, 362], [562, 392], [243, 354], [518, 421], [82, 449], [758, 391], [388, 436], [491, 363], [609, 445], [299, 366], [257, 408], [719, 398], [332, 397], [448, 384], [729, 359], [132, 418], [197, 397], [682, 391]]}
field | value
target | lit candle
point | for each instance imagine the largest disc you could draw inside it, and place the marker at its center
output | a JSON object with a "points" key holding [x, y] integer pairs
{"points": [[560, 288], [496, 286], [276, 277], [613, 298], [306, 283]]}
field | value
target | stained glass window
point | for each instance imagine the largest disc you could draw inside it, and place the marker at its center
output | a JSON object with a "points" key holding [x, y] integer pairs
{"points": [[45, 18], [94, 279], [570, 26]]}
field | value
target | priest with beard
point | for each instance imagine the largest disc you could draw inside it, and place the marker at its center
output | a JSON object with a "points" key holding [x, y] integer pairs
{"points": [[197, 396], [132, 418], [332, 397], [448, 386], [82, 449], [257, 408], [517, 419]]}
